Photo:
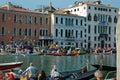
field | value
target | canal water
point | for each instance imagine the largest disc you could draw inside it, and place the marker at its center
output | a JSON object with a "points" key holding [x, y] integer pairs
{"points": [[63, 63]]}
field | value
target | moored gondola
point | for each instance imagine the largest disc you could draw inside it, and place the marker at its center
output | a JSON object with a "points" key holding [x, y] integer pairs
{"points": [[104, 67]]}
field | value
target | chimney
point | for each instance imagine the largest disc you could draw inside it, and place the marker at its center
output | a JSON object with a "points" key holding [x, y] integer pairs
{"points": [[98, 2], [9, 5]]}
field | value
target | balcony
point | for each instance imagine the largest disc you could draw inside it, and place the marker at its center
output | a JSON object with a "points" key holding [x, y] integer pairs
{"points": [[103, 36], [70, 38], [45, 37]]}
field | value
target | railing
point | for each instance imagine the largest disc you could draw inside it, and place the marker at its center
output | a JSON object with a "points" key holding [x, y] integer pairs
{"points": [[45, 37]]}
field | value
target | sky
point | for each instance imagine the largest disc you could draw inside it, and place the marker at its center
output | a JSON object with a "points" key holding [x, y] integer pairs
{"points": [[34, 4]]}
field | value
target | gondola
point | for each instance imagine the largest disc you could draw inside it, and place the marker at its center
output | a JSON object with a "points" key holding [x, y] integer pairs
{"points": [[103, 67], [78, 74], [68, 73]]}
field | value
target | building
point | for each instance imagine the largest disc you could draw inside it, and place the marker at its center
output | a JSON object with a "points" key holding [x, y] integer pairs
{"points": [[67, 29], [100, 25], [20, 24], [83, 24]]}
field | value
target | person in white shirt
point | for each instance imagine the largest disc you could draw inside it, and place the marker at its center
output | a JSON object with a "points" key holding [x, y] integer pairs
{"points": [[55, 74]]}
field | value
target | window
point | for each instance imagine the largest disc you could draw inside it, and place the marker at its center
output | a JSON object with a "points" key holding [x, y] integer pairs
{"points": [[61, 33], [30, 19], [41, 20], [30, 32], [56, 20], [15, 18], [35, 32], [25, 32], [3, 31], [3, 16], [89, 17], [89, 28], [46, 20], [115, 19], [35, 20], [15, 32], [20, 19], [76, 21], [40, 32], [109, 19], [76, 33], [61, 20], [89, 7], [95, 38], [109, 30], [95, 17], [56, 32], [25, 19], [81, 34], [20, 32], [95, 29], [81, 22]]}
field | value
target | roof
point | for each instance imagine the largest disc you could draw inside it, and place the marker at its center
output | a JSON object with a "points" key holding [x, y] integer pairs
{"points": [[12, 7]]}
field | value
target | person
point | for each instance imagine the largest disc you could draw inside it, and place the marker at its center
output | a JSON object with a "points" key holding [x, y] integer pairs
{"points": [[2, 77], [101, 64], [31, 71], [98, 75], [12, 74], [54, 67], [55, 74], [88, 65], [42, 75]]}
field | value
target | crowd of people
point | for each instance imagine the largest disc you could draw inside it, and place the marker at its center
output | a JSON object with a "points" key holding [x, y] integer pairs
{"points": [[32, 73]]}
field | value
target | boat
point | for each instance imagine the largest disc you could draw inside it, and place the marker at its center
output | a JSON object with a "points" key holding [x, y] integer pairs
{"points": [[104, 67], [5, 66], [84, 76], [67, 73], [81, 74]]}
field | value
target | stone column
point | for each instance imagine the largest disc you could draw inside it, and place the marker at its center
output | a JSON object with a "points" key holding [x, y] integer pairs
{"points": [[118, 47]]}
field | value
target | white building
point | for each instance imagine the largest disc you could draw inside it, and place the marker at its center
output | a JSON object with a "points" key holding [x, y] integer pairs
{"points": [[99, 25], [67, 29]]}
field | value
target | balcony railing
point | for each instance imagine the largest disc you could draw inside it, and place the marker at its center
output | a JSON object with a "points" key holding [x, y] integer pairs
{"points": [[46, 37]]}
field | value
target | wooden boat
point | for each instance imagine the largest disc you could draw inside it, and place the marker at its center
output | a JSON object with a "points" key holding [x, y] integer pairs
{"points": [[84, 76], [81, 74], [107, 68], [67, 73], [4, 66]]}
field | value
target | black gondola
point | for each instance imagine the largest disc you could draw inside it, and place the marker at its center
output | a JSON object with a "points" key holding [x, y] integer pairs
{"points": [[103, 67], [81, 74]]}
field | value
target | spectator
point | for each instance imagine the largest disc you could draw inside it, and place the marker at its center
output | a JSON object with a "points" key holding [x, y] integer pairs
{"points": [[42, 75], [31, 71]]}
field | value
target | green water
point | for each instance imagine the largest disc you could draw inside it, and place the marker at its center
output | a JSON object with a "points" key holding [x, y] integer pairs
{"points": [[63, 63]]}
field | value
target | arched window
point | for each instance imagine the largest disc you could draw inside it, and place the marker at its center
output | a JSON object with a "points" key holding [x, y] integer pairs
{"points": [[35, 32], [40, 32], [109, 19], [95, 17], [20, 32], [30, 32], [76, 33], [65, 33], [56, 32], [81, 22], [25, 32], [56, 20], [81, 34], [66, 21], [61, 33], [89, 17], [115, 19], [61, 20]]}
